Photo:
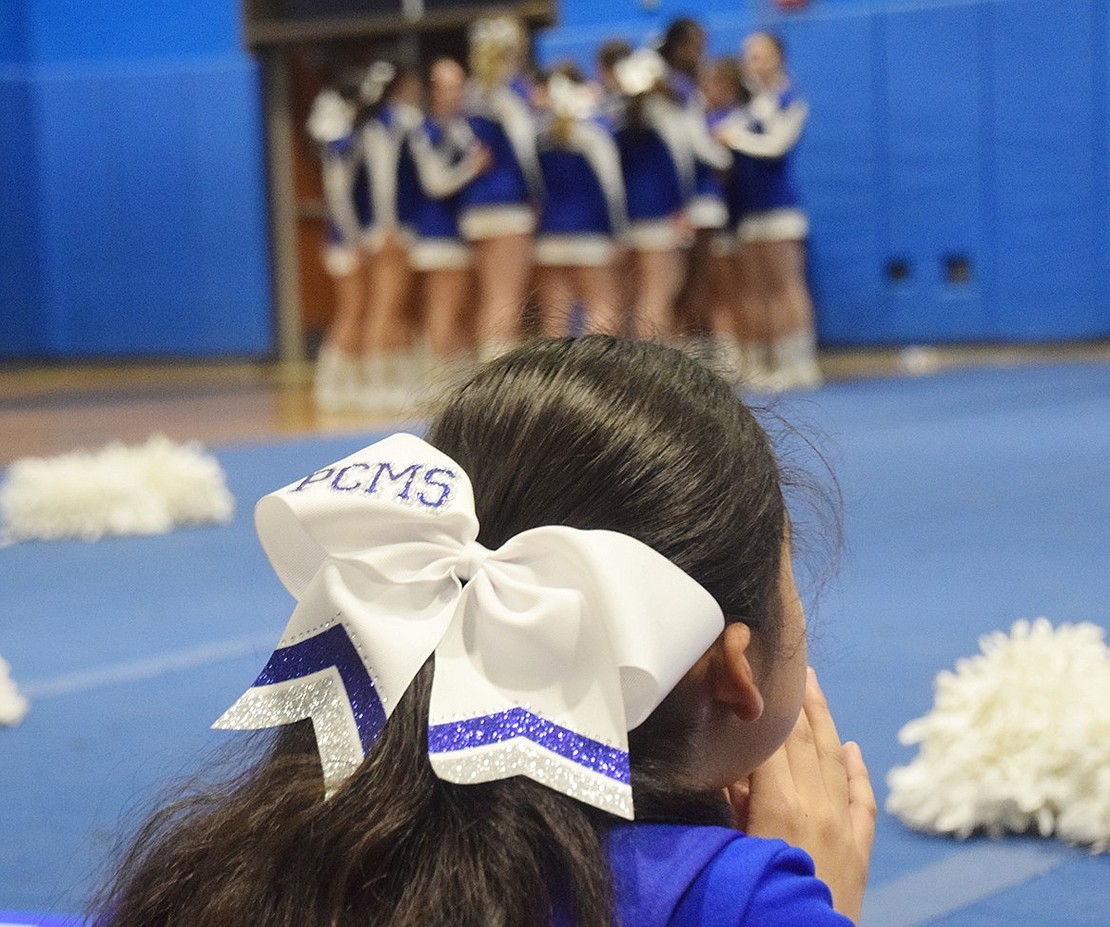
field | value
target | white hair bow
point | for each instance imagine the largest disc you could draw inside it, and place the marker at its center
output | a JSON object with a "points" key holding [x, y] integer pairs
{"points": [[548, 650], [639, 72], [331, 118]]}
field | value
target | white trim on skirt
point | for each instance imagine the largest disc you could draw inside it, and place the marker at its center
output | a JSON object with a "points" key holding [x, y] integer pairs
{"points": [[574, 250], [707, 212], [656, 235], [340, 260], [439, 254], [496, 221], [788, 224]]}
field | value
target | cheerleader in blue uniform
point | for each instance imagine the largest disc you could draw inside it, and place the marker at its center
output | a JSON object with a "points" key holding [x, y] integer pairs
{"points": [[731, 310], [773, 229], [683, 49], [498, 215], [331, 125], [393, 93], [657, 158], [583, 215], [447, 157]]}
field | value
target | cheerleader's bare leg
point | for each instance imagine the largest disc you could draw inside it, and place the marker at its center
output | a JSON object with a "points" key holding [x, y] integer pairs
{"points": [[601, 291], [387, 334], [336, 381], [555, 292], [447, 292], [794, 344], [695, 295], [659, 279], [504, 268]]}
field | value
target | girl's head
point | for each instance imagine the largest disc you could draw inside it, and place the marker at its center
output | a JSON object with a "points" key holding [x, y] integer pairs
{"points": [[608, 54], [632, 437], [683, 45], [385, 82], [595, 433], [446, 80], [497, 49], [723, 84], [765, 58], [568, 98]]}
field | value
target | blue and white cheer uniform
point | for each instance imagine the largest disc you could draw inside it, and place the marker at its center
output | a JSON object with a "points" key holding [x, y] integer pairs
{"points": [[765, 136], [446, 159], [584, 206], [501, 200]]}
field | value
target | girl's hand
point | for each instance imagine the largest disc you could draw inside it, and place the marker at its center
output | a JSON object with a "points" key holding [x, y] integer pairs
{"points": [[815, 793]]}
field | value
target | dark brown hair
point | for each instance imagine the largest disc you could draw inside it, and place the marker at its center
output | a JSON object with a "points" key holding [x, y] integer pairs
{"points": [[591, 433]]}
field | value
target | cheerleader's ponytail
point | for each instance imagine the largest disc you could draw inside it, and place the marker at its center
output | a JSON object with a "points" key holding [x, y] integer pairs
{"points": [[496, 44]]}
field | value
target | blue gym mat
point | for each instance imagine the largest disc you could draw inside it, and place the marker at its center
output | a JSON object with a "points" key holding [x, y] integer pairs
{"points": [[971, 499]]}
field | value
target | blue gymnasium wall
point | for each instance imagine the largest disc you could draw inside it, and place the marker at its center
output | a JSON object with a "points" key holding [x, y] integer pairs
{"points": [[973, 129], [132, 196]]}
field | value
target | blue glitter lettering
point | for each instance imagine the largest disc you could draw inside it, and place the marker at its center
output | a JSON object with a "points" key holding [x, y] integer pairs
{"points": [[318, 477], [387, 468], [444, 488], [350, 487]]}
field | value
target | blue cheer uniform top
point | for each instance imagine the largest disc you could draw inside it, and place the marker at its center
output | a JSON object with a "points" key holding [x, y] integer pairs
{"points": [[347, 206], [707, 206], [446, 159], [584, 204], [677, 875], [765, 135], [394, 188], [657, 160], [501, 200], [724, 237]]}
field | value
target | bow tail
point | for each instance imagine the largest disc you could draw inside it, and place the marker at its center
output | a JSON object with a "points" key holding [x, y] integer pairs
{"points": [[518, 742], [331, 671]]}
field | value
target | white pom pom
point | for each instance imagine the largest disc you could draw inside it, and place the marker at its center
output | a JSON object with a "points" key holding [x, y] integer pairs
{"points": [[13, 706], [1018, 740], [146, 489]]}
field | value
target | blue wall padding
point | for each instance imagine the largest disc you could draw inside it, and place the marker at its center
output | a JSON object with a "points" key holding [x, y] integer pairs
{"points": [[835, 61], [162, 250], [13, 34], [935, 152], [21, 303], [64, 30], [1045, 184], [142, 152], [132, 203]]}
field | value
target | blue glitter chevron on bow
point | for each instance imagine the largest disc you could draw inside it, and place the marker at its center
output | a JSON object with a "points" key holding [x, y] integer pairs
{"points": [[322, 678], [611, 762], [332, 647]]}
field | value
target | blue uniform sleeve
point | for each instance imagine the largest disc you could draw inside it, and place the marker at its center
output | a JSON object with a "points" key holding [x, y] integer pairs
{"points": [[759, 883]]}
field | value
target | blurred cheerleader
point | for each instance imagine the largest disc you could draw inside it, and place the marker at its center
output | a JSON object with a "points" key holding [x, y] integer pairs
{"points": [[657, 158], [683, 49], [773, 228], [736, 321], [498, 215], [583, 211], [447, 157], [392, 95], [331, 125]]}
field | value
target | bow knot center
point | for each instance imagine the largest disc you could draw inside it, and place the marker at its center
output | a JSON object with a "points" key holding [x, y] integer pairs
{"points": [[471, 558]]}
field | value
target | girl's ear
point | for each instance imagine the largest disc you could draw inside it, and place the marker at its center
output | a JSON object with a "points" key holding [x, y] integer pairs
{"points": [[731, 679]]}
